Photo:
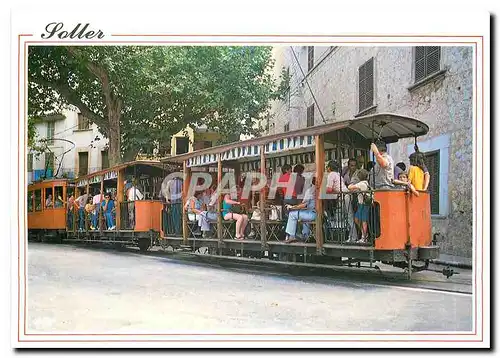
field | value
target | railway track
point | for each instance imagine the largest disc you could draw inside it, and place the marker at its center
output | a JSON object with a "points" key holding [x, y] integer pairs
{"points": [[378, 275]]}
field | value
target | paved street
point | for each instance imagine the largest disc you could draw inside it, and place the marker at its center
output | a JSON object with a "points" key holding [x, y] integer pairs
{"points": [[77, 290]]}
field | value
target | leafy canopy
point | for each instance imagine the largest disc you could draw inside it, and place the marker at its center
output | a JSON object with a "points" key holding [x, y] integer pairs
{"points": [[157, 90]]}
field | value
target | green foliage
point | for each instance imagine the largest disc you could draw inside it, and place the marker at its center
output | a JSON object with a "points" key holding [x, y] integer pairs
{"points": [[157, 91]]}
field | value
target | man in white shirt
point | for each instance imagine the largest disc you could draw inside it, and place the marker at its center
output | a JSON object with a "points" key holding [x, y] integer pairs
{"points": [[80, 202], [133, 194]]}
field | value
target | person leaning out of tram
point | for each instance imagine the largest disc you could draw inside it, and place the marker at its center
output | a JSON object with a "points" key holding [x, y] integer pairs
{"points": [[108, 208], [232, 210], [305, 211], [363, 209], [383, 171]]}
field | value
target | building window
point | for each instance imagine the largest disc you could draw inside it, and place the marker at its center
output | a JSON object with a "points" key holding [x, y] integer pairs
{"points": [[104, 159], [310, 58], [287, 128], [366, 85], [50, 132], [38, 200], [30, 162], [83, 163], [31, 197], [49, 161], [181, 145], [427, 61], [310, 115], [432, 163], [83, 122]]}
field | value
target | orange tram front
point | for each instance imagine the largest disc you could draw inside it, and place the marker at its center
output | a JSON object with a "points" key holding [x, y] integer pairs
{"points": [[399, 223], [46, 207]]}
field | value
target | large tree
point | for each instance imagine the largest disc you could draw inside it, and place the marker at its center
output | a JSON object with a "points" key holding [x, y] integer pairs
{"points": [[139, 95]]}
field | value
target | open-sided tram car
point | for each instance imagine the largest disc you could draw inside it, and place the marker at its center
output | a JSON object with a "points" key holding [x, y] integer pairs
{"points": [[143, 226], [400, 223]]}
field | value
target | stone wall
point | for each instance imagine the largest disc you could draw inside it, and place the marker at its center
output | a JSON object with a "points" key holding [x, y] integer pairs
{"points": [[444, 103]]}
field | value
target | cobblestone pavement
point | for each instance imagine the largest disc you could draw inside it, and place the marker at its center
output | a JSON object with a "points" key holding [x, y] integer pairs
{"points": [[77, 290]]}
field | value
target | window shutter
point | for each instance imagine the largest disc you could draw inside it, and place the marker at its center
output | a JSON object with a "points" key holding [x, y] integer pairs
{"points": [[310, 57], [365, 85], [50, 132], [427, 61], [310, 115], [30, 162], [433, 59], [49, 161], [432, 163]]}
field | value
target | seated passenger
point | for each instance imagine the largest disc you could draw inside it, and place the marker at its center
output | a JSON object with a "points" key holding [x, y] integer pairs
{"points": [[59, 202], [48, 202], [403, 183], [304, 211], [231, 212], [361, 215], [194, 208], [383, 171], [210, 214], [298, 188]]}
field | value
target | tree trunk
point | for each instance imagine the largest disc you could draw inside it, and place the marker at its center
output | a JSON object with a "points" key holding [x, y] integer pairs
{"points": [[114, 135]]}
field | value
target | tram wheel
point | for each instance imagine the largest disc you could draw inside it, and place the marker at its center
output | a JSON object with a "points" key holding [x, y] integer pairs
{"points": [[144, 244]]}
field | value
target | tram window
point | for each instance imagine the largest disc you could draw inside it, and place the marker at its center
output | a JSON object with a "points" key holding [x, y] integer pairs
{"points": [[38, 200], [58, 197], [49, 198], [30, 201]]}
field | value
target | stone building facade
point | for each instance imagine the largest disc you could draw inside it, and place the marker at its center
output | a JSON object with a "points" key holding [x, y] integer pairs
{"points": [[432, 84], [77, 148]]}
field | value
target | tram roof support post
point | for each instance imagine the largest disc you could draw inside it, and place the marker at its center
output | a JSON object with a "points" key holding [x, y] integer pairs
{"points": [[119, 197], [100, 223], [185, 190], [320, 169], [219, 201], [262, 199], [86, 216]]}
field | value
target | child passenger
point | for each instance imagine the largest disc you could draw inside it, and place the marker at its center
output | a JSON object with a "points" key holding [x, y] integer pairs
{"points": [[361, 215], [403, 183]]}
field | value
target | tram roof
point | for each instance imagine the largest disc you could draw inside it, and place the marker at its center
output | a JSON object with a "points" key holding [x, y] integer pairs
{"points": [[153, 163], [389, 127]]}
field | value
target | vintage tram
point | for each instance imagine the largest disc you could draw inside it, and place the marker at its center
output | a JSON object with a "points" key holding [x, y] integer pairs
{"points": [[400, 223]]}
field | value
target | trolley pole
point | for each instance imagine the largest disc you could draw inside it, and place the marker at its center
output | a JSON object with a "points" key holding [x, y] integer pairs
{"points": [[320, 170]]}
